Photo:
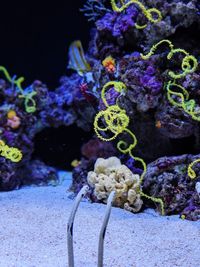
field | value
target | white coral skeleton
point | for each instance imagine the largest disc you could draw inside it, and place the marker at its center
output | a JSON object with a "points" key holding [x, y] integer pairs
{"points": [[110, 175]]}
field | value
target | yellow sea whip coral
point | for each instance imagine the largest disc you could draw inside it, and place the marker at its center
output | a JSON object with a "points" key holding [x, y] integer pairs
{"points": [[30, 104], [148, 13], [11, 153], [180, 96], [114, 120]]}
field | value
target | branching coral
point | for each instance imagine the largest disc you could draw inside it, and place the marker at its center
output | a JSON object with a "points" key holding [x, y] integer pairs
{"points": [[10, 153], [30, 104], [108, 175], [93, 9], [116, 121], [152, 14]]}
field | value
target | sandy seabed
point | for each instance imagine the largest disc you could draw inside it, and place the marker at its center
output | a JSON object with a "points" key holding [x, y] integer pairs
{"points": [[33, 222]]}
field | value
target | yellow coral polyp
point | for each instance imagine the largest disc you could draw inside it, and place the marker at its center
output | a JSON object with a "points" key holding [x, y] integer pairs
{"points": [[11, 114], [115, 120], [75, 163], [11, 153], [152, 14], [191, 172], [109, 64]]}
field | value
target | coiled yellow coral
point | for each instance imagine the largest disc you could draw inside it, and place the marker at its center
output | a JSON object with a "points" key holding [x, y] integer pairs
{"points": [[152, 14], [191, 172], [30, 104], [114, 120], [11, 153], [180, 96], [189, 63]]}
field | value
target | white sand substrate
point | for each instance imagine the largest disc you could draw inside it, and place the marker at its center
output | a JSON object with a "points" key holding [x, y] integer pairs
{"points": [[33, 222]]}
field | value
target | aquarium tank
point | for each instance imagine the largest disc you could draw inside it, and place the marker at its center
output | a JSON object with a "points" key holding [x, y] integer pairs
{"points": [[106, 112]]}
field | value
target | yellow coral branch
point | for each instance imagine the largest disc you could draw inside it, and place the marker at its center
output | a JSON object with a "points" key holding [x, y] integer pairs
{"points": [[119, 87], [189, 65], [191, 172], [155, 47], [11, 153], [186, 65], [157, 200], [180, 95], [115, 119], [189, 106], [148, 13]]}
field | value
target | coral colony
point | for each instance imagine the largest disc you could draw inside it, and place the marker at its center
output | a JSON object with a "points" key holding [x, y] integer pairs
{"points": [[138, 87]]}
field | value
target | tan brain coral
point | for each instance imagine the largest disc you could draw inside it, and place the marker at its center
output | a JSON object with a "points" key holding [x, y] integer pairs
{"points": [[108, 175]]}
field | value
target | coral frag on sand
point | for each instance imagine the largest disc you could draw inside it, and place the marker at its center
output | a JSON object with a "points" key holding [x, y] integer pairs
{"points": [[163, 112], [110, 175]]}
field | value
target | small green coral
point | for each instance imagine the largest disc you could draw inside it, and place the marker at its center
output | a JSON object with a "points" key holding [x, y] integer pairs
{"points": [[30, 104]]}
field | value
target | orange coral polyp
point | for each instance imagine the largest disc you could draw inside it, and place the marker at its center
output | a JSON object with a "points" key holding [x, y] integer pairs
{"points": [[158, 124], [109, 64]]}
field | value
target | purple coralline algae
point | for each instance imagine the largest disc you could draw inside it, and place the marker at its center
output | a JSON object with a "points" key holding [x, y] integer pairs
{"points": [[118, 24]]}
